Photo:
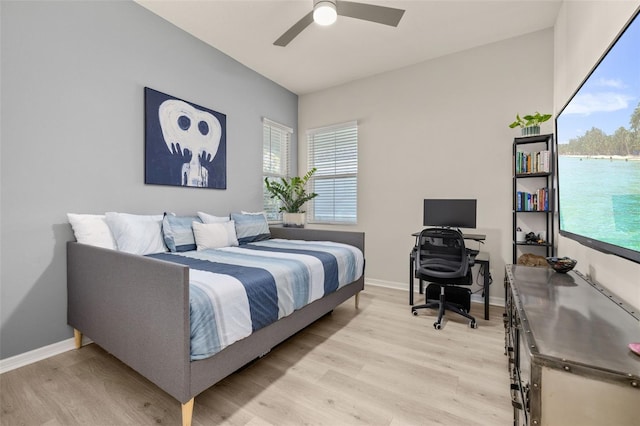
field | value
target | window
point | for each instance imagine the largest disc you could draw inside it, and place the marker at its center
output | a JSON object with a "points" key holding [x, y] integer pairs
{"points": [[276, 142], [333, 151]]}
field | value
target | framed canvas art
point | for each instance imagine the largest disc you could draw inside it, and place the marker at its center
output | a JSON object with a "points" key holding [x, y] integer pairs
{"points": [[185, 144]]}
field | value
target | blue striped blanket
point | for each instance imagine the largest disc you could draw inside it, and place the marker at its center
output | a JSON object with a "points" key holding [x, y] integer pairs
{"points": [[234, 291]]}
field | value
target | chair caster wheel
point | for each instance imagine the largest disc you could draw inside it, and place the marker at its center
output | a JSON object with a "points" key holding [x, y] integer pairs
{"points": [[473, 324], [437, 325], [414, 313]]}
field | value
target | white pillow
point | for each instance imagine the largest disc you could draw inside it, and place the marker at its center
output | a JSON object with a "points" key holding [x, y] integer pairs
{"points": [[209, 218], [214, 235], [137, 234], [92, 229]]}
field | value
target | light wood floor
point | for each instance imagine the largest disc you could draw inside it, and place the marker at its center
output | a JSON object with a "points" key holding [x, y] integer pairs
{"points": [[376, 366]]}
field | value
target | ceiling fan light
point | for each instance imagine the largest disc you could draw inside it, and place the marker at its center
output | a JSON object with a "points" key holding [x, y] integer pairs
{"points": [[324, 12]]}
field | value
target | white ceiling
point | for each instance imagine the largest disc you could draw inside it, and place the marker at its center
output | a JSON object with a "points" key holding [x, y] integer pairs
{"points": [[322, 57]]}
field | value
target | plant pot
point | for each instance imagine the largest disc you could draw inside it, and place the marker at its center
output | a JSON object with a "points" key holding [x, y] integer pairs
{"points": [[531, 131], [293, 220]]}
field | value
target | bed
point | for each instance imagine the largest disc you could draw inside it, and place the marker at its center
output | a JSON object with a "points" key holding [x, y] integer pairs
{"points": [[138, 309]]}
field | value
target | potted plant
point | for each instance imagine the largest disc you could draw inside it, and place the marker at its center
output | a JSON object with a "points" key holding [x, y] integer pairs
{"points": [[530, 123], [293, 194]]}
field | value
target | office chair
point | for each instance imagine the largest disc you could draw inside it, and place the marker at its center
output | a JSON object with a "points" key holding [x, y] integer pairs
{"points": [[442, 259]]}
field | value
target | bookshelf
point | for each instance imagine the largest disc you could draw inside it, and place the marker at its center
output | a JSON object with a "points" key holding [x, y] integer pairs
{"points": [[533, 195]]}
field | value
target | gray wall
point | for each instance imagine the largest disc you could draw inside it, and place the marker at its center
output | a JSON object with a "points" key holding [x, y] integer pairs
{"points": [[72, 133]]}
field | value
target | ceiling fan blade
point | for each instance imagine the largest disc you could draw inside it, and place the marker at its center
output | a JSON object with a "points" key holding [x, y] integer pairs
{"points": [[296, 29], [370, 12]]}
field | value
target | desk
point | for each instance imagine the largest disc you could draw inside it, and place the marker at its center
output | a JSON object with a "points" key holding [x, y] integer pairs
{"points": [[482, 259]]}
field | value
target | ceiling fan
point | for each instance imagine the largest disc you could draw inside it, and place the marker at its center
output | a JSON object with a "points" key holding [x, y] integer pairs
{"points": [[325, 12]]}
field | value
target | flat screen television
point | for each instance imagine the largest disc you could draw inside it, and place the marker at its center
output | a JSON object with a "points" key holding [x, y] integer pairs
{"points": [[449, 213], [598, 136]]}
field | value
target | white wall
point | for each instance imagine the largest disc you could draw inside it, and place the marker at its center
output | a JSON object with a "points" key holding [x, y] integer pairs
{"points": [[583, 33], [437, 129]]}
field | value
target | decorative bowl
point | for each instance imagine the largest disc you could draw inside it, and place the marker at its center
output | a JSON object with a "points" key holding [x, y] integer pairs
{"points": [[561, 264]]}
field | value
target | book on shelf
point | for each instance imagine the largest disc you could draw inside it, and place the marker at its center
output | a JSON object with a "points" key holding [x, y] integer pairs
{"points": [[532, 201], [533, 162]]}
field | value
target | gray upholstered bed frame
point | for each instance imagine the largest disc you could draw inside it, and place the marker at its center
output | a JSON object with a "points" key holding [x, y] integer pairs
{"points": [[137, 308]]}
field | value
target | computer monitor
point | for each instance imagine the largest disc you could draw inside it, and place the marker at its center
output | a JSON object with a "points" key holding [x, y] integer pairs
{"points": [[450, 213]]}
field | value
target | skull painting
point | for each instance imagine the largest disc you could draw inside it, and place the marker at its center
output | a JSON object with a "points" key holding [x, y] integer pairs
{"points": [[185, 143], [193, 134]]}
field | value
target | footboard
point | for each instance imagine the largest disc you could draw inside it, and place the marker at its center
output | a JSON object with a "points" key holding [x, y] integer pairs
{"points": [[135, 308]]}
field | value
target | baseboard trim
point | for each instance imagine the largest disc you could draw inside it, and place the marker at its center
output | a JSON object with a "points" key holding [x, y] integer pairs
{"points": [[493, 300], [39, 354], [387, 284]]}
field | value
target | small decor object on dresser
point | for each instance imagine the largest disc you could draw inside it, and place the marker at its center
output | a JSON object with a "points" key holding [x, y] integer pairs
{"points": [[530, 259], [561, 264], [185, 144]]}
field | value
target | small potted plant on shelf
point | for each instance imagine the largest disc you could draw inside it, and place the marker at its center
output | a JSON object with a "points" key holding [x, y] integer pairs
{"points": [[530, 123], [293, 194]]}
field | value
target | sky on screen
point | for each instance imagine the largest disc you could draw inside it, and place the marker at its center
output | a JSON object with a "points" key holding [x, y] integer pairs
{"points": [[611, 93]]}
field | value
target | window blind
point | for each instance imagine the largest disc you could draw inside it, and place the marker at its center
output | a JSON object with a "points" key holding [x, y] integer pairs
{"points": [[275, 162], [333, 151]]}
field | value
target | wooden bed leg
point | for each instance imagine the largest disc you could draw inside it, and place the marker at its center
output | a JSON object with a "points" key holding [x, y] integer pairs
{"points": [[357, 300], [187, 412], [77, 337]]}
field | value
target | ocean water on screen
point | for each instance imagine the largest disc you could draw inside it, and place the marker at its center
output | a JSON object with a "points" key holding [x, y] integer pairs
{"points": [[600, 199]]}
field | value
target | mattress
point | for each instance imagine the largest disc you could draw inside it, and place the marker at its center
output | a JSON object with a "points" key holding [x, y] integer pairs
{"points": [[234, 291]]}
